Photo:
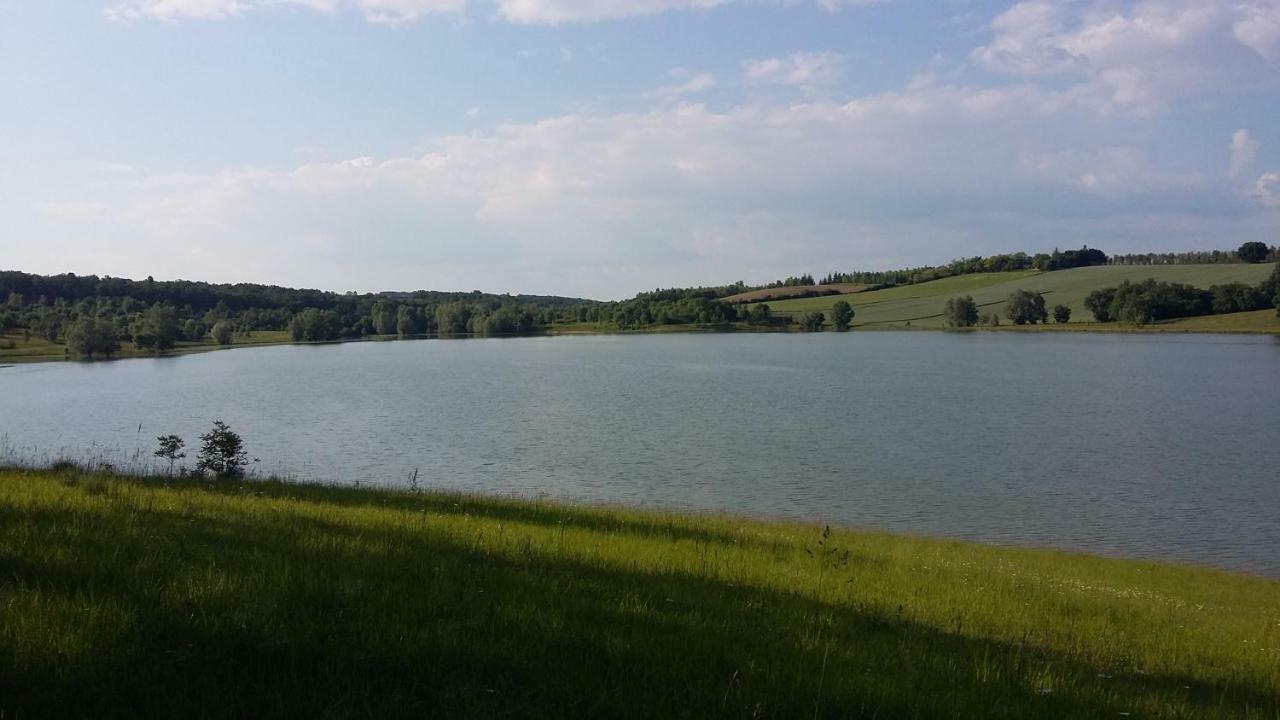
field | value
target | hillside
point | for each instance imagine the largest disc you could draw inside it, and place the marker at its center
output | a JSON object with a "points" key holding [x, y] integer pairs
{"points": [[128, 597], [921, 305]]}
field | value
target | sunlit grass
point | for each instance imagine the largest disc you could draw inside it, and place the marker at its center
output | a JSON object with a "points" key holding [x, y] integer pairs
{"points": [[126, 597]]}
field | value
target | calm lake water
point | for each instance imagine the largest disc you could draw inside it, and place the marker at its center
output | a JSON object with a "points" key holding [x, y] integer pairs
{"points": [[1133, 445]]}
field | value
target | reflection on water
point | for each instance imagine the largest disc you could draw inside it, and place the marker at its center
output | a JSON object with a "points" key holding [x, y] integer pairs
{"points": [[1150, 446]]}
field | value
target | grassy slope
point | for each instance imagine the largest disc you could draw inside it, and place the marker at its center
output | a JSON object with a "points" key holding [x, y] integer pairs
{"points": [[122, 597], [922, 304]]}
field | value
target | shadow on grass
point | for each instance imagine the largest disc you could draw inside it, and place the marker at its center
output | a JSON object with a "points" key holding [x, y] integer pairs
{"points": [[156, 613], [553, 514]]}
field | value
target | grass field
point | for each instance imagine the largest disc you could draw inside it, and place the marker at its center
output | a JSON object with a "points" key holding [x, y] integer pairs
{"points": [[921, 305], [15, 348], [123, 597]]}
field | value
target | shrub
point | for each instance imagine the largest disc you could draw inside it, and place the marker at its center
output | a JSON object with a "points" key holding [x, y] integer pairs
{"points": [[221, 332], [170, 449], [222, 452], [1026, 307], [1061, 314], [812, 322], [842, 315], [961, 311]]}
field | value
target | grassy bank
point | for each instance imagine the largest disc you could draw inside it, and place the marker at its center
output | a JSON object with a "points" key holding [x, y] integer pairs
{"points": [[123, 597]]}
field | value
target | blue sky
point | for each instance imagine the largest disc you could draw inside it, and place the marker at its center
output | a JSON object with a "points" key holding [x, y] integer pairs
{"points": [[599, 148]]}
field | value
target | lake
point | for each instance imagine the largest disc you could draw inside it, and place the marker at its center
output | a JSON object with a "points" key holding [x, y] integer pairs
{"points": [[1152, 446]]}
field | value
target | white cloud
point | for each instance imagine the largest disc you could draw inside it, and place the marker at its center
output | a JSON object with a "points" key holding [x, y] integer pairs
{"points": [[685, 85], [1258, 27], [799, 69], [1114, 172], [1267, 190], [1244, 150], [1138, 57], [685, 192]]}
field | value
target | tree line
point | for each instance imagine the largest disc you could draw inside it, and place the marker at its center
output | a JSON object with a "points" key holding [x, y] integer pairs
{"points": [[1009, 262], [1251, 252], [95, 316]]}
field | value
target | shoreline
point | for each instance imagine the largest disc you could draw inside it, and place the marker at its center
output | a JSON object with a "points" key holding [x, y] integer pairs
{"points": [[1100, 328]]}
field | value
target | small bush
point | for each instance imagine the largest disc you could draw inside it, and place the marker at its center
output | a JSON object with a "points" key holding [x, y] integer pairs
{"points": [[222, 452]]}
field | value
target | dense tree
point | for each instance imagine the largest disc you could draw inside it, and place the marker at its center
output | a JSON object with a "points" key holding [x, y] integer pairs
{"points": [[1253, 252], [1153, 300], [91, 336], [1061, 314], [842, 315], [759, 314], [221, 452], [158, 329], [384, 317], [812, 321], [1201, 257], [408, 322], [1239, 297], [1098, 302], [961, 311], [313, 324], [221, 332], [452, 319], [1026, 307]]}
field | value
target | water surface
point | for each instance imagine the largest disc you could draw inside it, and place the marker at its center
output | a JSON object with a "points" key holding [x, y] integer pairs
{"points": [[1154, 446]]}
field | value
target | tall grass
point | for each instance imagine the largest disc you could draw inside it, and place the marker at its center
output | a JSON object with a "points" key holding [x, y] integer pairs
{"points": [[127, 597]]}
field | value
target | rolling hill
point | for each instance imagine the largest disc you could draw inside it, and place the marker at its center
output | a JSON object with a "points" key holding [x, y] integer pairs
{"points": [[921, 305]]}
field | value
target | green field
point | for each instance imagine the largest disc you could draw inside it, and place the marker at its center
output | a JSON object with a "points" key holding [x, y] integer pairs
{"points": [[123, 597], [921, 305]]}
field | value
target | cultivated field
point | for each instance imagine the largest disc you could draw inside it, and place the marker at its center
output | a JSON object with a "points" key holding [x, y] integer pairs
{"points": [[124, 597], [921, 305], [795, 291]]}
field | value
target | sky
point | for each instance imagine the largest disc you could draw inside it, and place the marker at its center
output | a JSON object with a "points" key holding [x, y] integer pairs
{"points": [[599, 148]]}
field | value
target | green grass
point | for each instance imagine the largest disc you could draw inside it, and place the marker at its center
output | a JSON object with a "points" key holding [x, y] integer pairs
{"points": [[123, 597], [946, 287], [1257, 321], [921, 305]]}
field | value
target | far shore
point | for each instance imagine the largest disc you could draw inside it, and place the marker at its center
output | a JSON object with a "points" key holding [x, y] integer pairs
{"points": [[1260, 323]]}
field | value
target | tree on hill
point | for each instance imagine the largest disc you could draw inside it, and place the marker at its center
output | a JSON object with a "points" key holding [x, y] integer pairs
{"points": [[1253, 252], [842, 315], [1026, 307], [1061, 314], [961, 311]]}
